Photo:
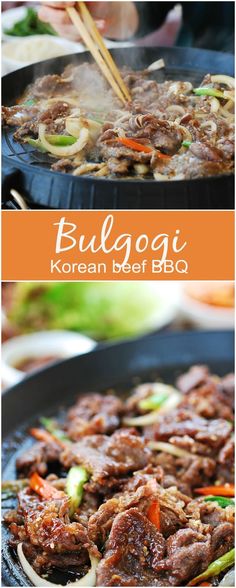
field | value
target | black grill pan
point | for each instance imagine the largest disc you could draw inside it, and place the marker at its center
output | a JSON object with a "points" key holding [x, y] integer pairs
{"points": [[117, 366], [28, 171]]}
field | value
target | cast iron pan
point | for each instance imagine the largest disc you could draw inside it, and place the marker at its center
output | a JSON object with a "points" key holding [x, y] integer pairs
{"points": [[118, 366], [28, 171]]}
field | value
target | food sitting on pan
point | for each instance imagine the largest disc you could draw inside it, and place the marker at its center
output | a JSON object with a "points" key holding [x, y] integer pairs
{"points": [[131, 491], [169, 130]]}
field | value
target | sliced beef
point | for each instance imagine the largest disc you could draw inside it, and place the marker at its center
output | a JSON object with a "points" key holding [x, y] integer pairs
{"points": [[46, 525], [188, 554], [206, 151], [37, 458], [132, 552], [209, 401], [226, 455], [94, 413], [100, 523], [58, 110], [196, 375], [108, 458], [222, 539], [47, 86], [182, 422]]}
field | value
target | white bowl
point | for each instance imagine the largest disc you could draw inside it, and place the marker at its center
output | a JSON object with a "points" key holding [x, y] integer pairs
{"points": [[44, 343], [206, 316]]}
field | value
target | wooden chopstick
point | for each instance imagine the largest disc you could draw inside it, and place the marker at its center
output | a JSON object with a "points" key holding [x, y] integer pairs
{"points": [[94, 50], [89, 21]]}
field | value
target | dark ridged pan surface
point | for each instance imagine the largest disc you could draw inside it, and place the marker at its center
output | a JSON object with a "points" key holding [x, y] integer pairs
{"points": [[117, 366]]}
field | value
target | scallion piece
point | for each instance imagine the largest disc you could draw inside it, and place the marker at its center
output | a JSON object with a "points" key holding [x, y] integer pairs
{"points": [[186, 143], [153, 401], [208, 92], [215, 568], [222, 500], [51, 427], [76, 479]]}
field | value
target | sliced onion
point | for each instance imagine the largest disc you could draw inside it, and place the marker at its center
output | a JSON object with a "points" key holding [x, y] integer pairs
{"points": [[175, 108], [64, 151], [228, 579], [185, 132], [169, 448], [210, 124], [141, 169], [156, 65], [215, 105], [181, 87], [152, 417], [228, 105], [230, 94], [227, 114], [74, 126], [222, 79], [160, 177], [88, 580]]}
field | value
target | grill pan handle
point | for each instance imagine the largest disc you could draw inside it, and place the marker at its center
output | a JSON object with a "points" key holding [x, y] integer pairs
{"points": [[11, 197]]}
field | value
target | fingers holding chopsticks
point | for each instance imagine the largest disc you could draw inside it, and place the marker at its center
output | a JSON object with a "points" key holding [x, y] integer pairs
{"points": [[55, 14]]}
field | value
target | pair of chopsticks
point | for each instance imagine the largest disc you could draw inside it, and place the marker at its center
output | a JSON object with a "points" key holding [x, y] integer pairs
{"points": [[83, 21]]}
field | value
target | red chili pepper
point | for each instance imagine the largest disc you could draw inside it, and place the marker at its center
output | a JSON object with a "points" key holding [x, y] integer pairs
{"points": [[154, 514], [225, 490], [44, 488]]}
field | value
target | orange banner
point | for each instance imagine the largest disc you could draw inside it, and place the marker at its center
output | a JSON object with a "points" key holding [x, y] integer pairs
{"points": [[117, 245]]}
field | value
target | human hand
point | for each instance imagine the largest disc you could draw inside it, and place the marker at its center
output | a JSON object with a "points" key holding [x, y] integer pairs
{"points": [[117, 20]]}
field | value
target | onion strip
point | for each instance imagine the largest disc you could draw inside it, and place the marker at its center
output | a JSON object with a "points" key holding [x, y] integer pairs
{"points": [[152, 417], [159, 64], [223, 79], [64, 151], [88, 580], [169, 448]]}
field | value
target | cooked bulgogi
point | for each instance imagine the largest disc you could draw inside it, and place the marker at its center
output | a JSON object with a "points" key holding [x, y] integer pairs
{"points": [[143, 488], [170, 130]]}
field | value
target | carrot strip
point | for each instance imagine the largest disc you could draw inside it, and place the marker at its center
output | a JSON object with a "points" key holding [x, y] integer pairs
{"points": [[226, 490], [46, 437], [154, 514], [44, 488], [134, 144]]}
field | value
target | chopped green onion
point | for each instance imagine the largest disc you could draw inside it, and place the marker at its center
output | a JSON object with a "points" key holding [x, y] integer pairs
{"points": [[51, 426], [153, 401], [37, 144], [76, 479], [29, 102], [222, 500], [61, 140], [208, 92], [186, 143], [215, 568]]}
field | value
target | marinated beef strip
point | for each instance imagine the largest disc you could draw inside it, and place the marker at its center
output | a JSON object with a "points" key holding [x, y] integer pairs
{"points": [[108, 459], [128, 477], [184, 136], [49, 537], [93, 414]]}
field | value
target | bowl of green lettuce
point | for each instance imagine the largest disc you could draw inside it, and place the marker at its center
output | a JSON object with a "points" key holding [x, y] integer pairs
{"points": [[101, 310]]}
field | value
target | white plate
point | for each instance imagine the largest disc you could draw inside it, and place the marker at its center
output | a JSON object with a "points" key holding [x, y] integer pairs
{"points": [[10, 17]]}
